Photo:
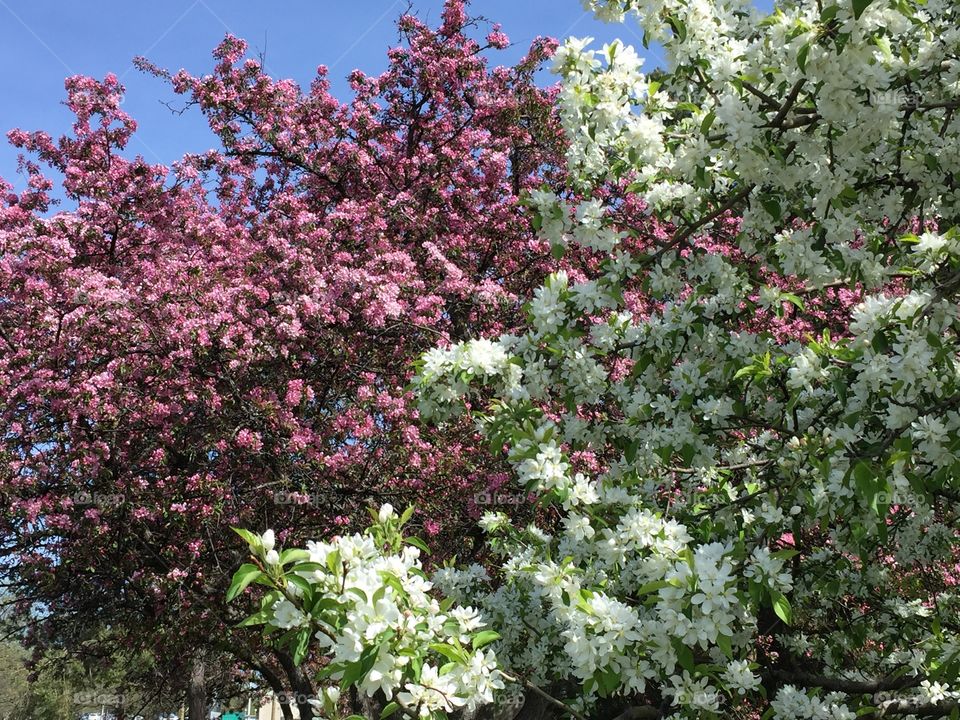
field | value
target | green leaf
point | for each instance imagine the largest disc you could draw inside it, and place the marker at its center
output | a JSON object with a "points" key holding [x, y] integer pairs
{"points": [[802, 57], [829, 13], [651, 587], [326, 603], [772, 207], [866, 481], [252, 539], [270, 599], [879, 343], [305, 587], [859, 6], [582, 601], [388, 710], [723, 642], [793, 299], [707, 122], [293, 555], [786, 554], [247, 574], [609, 681], [361, 667], [302, 646], [679, 29], [484, 637], [684, 656], [450, 652], [258, 618], [330, 670], [781, 606], [358, 592], [417, 543], [393, 581]]}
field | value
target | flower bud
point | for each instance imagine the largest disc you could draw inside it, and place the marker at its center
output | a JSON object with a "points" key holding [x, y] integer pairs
{"points": [[268, 540]]}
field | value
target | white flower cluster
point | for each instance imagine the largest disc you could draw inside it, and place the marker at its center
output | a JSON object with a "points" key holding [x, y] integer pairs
{"points": [[576, 610], [747, 478], [449, 372], [597, 109], [374, 616], [793, 704]]}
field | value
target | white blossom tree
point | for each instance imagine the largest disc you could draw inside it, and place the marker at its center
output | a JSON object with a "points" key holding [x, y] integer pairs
{"points": [[732, 521]]}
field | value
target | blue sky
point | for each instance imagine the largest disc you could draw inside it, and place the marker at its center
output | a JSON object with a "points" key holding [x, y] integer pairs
{"points": [[43, 41]]}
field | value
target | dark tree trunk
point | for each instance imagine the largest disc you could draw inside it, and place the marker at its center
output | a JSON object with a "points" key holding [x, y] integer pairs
{"points": [[534, 708], [302, 687], [197, 691], [373, 706], [283, 699], [279, 692], [354, 700]]}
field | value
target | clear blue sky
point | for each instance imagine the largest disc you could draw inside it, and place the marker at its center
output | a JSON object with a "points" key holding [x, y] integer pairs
{"points": [[43, 41]]}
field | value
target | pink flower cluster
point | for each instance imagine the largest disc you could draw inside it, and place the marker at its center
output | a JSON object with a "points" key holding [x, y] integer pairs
{"points": [[200, 342]]}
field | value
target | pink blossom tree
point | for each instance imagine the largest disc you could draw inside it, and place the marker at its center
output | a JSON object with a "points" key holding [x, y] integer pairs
{"points": [[227, 341]]}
